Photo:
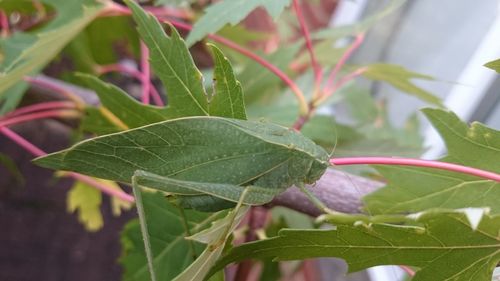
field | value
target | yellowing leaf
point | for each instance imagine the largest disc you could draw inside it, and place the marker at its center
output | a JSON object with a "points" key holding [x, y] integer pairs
{"points": [[86, 201]]}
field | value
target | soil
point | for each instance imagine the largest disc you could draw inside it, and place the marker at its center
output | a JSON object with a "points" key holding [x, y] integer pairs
{"points": [[39, 239]]}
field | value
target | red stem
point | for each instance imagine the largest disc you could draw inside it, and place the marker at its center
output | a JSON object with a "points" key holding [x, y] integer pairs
{"points": [[46, 84], [39, 107], [305, 31], [417, 163], [63, 113], [88, 180], [146, 75], [328, 92], [134, 73], [4, 24], [355, 45]]}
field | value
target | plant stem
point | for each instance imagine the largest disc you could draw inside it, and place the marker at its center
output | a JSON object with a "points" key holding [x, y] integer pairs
{"points": [[4, 24], [39, 107], [134, 73], [417, 163], [305, 31], [46, 84], [328, 92], [408, 270], [355, 45], [88, 180], [146, 75], [62, 113]]}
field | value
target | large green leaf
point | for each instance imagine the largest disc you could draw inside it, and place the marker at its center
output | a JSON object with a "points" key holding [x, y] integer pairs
{"points": [[445, 247], [26, 53], [399, 77], [171, 251], [231, 12], [199, 149], [417, 189]]}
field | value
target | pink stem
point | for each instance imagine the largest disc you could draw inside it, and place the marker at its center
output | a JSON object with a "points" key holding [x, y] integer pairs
{"points": [[38, 107], [145, 75], [309, 44], [38, 115], [417, 163], [355, 45], [329, 91], [38, 152], [4, 24], [52, 87], [134, 73]]}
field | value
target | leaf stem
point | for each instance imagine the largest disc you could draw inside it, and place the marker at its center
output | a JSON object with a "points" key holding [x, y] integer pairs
{"points": [[62, 113], [4, 24], [145, 75], [310, 48], [347, 54], [417, 163], [46, 84], [88, 180], [39, 107], [328, 92]]}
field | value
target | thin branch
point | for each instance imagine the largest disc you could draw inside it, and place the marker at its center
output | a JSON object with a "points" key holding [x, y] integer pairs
{"points": [[62, 113], [347, 54], [349, 77], [145, 75], [47, 84], [417, 163], [4, 24], [88, 180], [305, 31], [39, 107]]}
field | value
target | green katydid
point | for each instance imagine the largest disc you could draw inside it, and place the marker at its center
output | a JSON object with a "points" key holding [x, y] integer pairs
{"points": [[205, 161], [208, 163]]}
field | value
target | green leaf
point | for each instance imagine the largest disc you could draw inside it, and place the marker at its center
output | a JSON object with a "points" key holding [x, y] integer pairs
{"points": [[417, 189], [215, 237], [231, 12], [227, 99], [129, 111], [172, 253], [399, 77], [12, 169], [26, 53], [199, 149], [86, 200], [445, 247], [495, 65]]}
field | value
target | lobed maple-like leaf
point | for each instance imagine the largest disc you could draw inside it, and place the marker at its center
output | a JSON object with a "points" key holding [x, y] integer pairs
{"points": [[417, 189], [443, 246]]}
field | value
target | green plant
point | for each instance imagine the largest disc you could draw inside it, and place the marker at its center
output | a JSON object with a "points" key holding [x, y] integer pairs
{"points": [[212, 163]]}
